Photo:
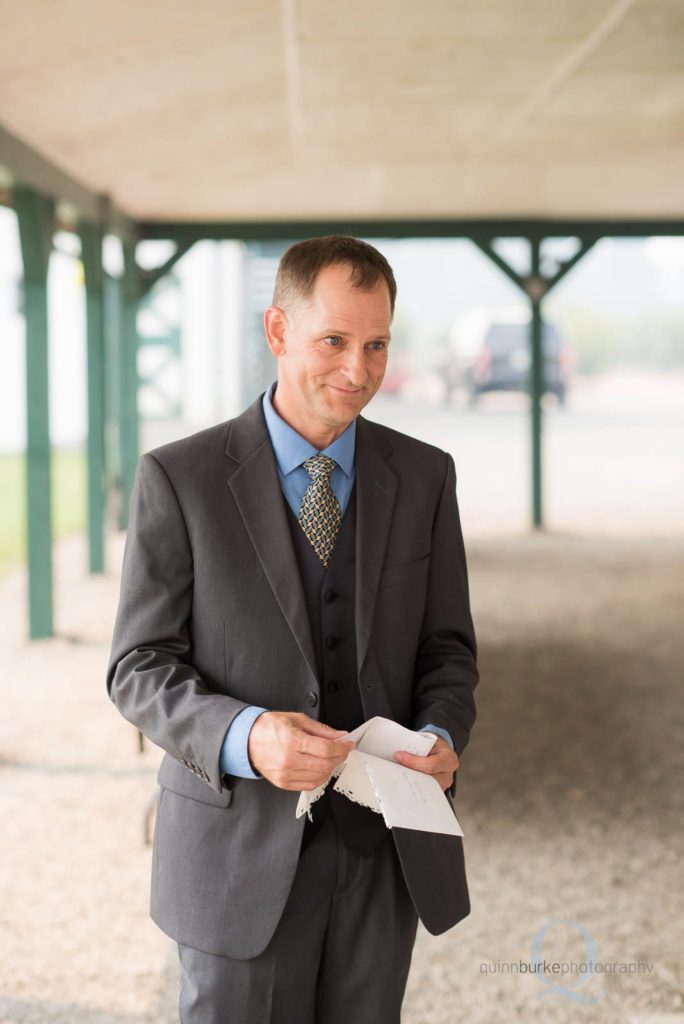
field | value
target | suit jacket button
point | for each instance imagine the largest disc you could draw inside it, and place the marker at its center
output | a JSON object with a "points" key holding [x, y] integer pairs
{"points": [[311, 698], [330, 642], [329, 596]]}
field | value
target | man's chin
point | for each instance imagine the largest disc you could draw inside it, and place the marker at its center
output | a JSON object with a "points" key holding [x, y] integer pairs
{"points": [[346, 405]]}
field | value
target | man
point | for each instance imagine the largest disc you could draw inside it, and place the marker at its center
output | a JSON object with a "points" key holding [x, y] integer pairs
{"points": [[287, 575]]}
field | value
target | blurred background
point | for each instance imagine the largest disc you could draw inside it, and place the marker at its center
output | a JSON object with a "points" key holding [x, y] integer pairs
{"points": [[521, 166]]}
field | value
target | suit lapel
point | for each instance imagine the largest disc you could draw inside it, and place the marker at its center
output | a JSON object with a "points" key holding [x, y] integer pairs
{"points": [[256, 485], [376, 489]]}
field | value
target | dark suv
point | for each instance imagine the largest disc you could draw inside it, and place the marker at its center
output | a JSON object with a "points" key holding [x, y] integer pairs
{"points": [[501, 362]]}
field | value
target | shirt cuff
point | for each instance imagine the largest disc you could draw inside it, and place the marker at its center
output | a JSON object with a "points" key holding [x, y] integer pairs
{"points": [[234, 758], [439, 732]]}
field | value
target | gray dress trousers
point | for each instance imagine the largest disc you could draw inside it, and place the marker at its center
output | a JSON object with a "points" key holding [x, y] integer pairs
{"points": [[340, 954]]}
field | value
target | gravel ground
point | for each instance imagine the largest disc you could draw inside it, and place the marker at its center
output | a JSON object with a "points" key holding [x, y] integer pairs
{"points": [[568, 798]]}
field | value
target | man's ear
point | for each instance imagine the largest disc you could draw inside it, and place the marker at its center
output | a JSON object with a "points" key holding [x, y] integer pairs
{"points": [[275, 326]]}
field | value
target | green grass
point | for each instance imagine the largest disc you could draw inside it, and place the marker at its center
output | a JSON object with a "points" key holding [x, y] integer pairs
{"points": [[68, 501]]}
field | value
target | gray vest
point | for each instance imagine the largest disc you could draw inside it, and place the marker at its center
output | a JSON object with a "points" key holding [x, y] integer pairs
{"points": [[329, 596]]}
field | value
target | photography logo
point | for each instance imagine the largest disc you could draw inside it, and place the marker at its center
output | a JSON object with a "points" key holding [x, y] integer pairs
{"points": [[564, 978]]}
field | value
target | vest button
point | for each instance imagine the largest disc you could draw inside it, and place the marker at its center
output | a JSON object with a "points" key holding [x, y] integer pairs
{"points": [[329, 596], [334, 686], [311, 698], [330, 642]]}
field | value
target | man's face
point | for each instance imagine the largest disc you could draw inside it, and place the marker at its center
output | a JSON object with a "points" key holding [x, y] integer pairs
{"points": [[332, 352]]}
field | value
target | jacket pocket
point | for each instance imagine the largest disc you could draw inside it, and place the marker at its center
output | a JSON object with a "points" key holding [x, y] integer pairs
{"points": [[404, 571], [172, 775]]}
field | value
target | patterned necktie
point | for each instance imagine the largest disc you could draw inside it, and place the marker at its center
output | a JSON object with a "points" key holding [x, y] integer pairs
{"points": [[319, 514]]}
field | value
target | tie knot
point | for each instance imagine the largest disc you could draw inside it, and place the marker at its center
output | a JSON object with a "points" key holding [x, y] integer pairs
{"points": [[319, 467]]}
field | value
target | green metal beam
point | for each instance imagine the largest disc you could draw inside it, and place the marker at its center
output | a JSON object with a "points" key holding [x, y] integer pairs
{"points": [[35, 221], [585, 245], [478, 229], [490, 253], [128, 379], [26, 167], [148, 278], [91, 254]]}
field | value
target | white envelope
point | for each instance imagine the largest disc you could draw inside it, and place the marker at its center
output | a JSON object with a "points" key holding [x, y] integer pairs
{"points": [[370, 776]]}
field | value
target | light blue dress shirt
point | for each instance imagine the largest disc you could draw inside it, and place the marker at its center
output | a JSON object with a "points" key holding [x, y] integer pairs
{"points": [[291, 449]]}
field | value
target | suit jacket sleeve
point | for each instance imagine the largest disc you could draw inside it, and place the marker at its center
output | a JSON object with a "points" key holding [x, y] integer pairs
{"points": [[150, 677], [446, 673]]}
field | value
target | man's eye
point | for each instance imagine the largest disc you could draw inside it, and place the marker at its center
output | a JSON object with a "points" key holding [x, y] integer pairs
{"points": [[334, 340], [378, 346]]}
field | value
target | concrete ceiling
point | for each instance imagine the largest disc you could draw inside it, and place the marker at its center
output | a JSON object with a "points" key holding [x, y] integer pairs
{"points": [[262, 110]]}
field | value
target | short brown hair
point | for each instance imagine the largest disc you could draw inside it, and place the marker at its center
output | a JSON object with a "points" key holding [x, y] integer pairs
{"points": [[301, 264]]}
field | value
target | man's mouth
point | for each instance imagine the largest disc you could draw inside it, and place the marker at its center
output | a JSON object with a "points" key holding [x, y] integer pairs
{"points": [[346, 391]]}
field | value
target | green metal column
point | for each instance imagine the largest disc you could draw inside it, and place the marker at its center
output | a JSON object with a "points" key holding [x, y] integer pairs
{"points": [[536, 392], [535, 286], [128, 378], [112, 336], [35, 215], [535, 289], [91, 254]]}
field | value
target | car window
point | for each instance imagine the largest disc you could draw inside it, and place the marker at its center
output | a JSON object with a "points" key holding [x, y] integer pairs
{"points": [[503, 339]]}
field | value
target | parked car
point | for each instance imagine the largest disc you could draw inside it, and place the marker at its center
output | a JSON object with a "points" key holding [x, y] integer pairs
{"points": [[499, 360]]}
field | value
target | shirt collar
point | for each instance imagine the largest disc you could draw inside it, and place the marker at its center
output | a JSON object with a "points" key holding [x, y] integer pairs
{"points": [[291, 448]]}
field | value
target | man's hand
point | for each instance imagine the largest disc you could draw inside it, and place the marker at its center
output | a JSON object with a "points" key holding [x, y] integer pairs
{"points": [[441, 762], [294, 751]]}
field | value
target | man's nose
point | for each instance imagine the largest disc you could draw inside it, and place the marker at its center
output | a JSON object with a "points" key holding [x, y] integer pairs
{"points": [[354, 367]]}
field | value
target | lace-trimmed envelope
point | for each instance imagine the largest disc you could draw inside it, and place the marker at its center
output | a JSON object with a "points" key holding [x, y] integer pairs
{"points": [[370, 776]]}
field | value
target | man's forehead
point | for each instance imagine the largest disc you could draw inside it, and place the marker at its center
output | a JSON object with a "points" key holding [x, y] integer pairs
{"points": [[346, 321], [351, 303]]}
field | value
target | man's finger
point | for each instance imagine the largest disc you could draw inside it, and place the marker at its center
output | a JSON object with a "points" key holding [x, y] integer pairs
{"points": [[310, 763], [303, 773], [319, 747], [420, 764], [306, 785], [431, 764], [314, 728]]}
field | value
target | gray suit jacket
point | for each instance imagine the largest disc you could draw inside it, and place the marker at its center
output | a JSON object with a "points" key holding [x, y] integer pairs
{"points": [[212, 617]]}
